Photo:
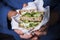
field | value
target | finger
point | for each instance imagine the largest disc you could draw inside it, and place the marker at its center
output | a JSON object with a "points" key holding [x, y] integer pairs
{"points": [[37, 33], [40, 33], [42, 29], [25, 36], [24, 5], [34, 38], [11, 13], [18, 31]]}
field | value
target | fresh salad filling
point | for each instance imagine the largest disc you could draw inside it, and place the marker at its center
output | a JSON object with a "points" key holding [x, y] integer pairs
{"points": [[30, 20]]}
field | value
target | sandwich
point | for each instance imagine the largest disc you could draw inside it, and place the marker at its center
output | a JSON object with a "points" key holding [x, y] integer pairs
{"points": [[29, 19]]}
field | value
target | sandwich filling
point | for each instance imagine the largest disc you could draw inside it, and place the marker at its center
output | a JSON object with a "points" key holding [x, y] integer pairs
{"points": [[29, 20]]}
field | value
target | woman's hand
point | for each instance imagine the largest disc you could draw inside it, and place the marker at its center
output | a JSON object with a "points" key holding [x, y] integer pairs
{"points": [[11, 13], [39, 33], [19, 32], [34, 38], [22, 35]]}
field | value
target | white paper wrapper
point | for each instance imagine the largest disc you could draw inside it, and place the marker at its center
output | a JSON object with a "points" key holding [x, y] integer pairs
{"points": [[15, 19], [39, 6]]}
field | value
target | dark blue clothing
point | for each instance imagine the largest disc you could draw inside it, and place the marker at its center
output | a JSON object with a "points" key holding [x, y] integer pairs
{"points": [[6, 6]]}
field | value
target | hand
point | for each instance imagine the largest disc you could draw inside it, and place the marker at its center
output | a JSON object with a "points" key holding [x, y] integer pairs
{"points": [[34, 38], [22, 35], [11, 13], [41, 31], [26, 36]]}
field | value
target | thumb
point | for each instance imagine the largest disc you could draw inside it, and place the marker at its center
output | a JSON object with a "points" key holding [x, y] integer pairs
{"points": [[24, 5]]}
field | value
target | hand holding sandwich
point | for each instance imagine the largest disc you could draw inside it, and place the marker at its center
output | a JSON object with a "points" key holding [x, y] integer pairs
{"points": [[21, 34]]}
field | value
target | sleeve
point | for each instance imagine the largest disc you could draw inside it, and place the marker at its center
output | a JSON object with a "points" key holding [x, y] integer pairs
{"points": [[3, 15], [16, 4], [3, 22], [46, 3]]}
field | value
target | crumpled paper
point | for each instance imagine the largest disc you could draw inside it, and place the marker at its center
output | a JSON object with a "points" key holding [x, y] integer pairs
{"points": [[37, 5]]}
